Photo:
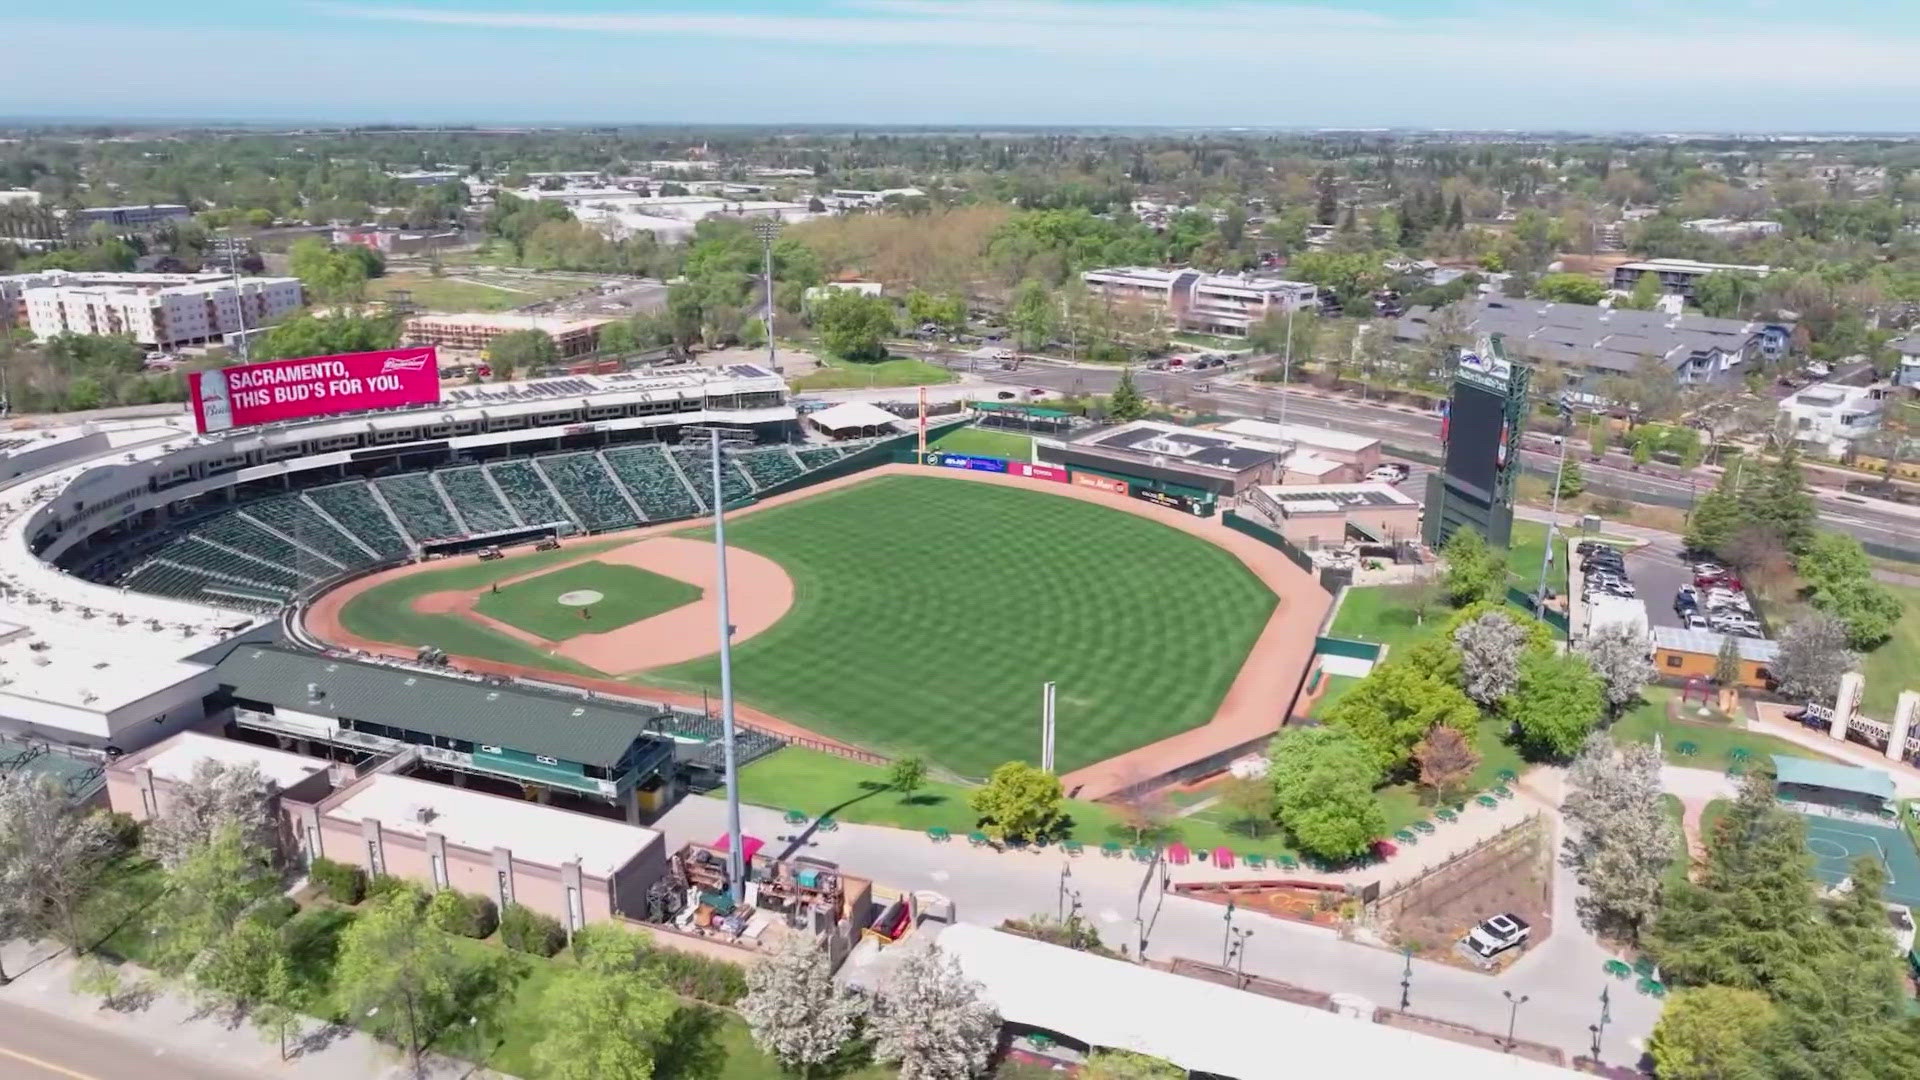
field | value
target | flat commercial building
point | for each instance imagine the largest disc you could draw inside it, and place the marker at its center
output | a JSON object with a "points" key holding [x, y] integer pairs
{"points": [[132, 217], [475, 331], [161, 311], [1208, 303], [142, 785], [1213, 462], [1678, 276], [1327, 515], [1358, 453]]}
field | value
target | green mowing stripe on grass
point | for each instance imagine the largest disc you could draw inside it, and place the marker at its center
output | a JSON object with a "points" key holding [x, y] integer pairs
{"points": [[385, 612], [986, 443], [629, 594], [928, 612]]}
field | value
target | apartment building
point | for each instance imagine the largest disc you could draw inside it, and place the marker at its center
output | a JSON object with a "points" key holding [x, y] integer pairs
{"points": [[1677, 276], [160, 311], [1209, 303], [129, 217], [473, 332], [1733, 229]]}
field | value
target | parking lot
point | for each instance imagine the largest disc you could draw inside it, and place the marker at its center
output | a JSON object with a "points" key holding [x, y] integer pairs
{"points": [[1659, 575]]}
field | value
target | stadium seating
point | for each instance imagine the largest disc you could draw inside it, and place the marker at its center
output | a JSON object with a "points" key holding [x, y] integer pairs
{"points": [[813, 457], [527, 492], [164, 578], [699, 468], [418, 505], [351, 504], [469, 490], [290, 515], [193, 552], [235, 532], [769, 466], [589, 490], [650, 478]]}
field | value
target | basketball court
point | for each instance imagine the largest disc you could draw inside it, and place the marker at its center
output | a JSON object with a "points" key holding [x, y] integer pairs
{"points": [[1836, 843]]}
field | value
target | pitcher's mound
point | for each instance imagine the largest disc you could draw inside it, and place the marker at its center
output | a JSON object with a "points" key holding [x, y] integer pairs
{"points": [[580, 598]]}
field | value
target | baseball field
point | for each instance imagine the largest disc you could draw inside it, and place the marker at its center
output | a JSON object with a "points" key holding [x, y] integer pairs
{"points": [[901, 611]]}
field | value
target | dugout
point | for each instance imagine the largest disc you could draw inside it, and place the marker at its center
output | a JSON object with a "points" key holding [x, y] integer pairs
{"points": [[1842, 787]]}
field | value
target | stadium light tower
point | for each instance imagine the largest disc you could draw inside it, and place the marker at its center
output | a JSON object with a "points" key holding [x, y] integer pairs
{"points": [[736, 859], [768, 230]]}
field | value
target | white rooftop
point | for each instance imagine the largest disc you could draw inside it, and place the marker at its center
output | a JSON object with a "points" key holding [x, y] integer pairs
{"points": [[853, 414], [1202, 1026], [1299, 434], [176, 759], [471, 819], [1693, 266]]}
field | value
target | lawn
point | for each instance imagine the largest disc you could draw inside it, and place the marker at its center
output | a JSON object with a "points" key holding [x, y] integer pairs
{"points": [[1336, 687], [898, 371], [1527, 544], [1889, 669], [986, 442], [930, 611], [1682, 860], [1408, 802], [450, 294], [1379, 613], [385, 612], [1714, 739], [629, 594]]}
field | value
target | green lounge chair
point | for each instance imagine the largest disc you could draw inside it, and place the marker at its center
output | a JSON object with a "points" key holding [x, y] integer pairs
{"points": [[1448, 815], [1254, 860], [1486, 800], [1111, 849], [1071, 847], [1286, 862], [1425, 828], [1406, 836], [827, 824], [796, 817], [977, 838], [939, 835]]}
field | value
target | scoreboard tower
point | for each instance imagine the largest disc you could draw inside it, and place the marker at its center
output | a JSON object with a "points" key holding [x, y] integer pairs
{"points": [[1480, 433]]}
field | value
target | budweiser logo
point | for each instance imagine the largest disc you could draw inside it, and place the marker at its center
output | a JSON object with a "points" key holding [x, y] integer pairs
{"points": [[416, 362]]}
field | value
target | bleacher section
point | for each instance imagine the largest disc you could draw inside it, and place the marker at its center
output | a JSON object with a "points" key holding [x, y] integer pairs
{"points": [[233, 531], [470, 491], [527, 492], [699, 468], [419, 507], [774, 465], [351, 504], [170, 579], [196, 553], [293, 517], [813, 457], [584, 483], [651, 480]]}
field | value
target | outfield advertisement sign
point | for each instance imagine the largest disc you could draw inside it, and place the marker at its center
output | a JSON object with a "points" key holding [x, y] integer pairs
{"points": [[967, 461], [249, 394], [1038, 472], [1186, 504], [1100, 483]]}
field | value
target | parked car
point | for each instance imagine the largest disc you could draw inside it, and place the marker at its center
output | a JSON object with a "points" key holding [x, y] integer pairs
{"points": [[488, 554], [1709, 567], [1695, 621], [1724, 578], [1383, 475], [1498, 934]]}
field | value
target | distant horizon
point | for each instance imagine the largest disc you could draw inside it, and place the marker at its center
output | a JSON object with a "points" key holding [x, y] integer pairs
{"points": [[1734, 67]]}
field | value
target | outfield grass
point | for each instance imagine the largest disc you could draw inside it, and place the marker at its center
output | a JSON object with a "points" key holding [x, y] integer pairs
{"points": [[899, 371], [448, 294], [929, 612], [385, 612], [986, 442], [1715, 739], [629, 593], [1890, 668]]}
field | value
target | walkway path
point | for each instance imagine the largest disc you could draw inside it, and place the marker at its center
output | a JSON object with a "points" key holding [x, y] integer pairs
{"points": [[1771, 718]]}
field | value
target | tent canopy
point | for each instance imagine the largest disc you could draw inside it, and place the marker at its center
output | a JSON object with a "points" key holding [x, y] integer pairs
{"points": [[1825, 774], [852, 415]]}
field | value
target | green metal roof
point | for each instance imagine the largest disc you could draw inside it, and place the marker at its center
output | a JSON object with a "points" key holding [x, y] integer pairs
{"points": [[554, 725], [1807, 773]]}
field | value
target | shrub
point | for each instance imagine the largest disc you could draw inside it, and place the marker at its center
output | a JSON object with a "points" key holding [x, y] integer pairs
{"points": [[124, 830], [526, 930], [274, 911], [386, 885], [461, 913], [338, 882], [713, 981]]}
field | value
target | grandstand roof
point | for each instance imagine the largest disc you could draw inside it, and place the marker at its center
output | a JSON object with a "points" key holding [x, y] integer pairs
{"points": [[852, 414], [559, 726]]}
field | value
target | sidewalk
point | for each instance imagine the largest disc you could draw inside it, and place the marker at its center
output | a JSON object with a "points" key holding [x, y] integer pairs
{"points": [[1770, 717], [181, 1033]]}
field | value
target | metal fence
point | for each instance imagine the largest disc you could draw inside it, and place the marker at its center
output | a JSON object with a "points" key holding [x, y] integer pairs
{"points": [[1357, 650]]}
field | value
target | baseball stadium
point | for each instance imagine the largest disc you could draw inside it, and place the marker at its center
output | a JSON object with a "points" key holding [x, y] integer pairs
{"points": [[552, 541]]}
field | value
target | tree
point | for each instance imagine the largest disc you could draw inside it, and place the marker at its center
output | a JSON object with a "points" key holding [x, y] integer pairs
{"points": [[1620, 655], [308, 335], [1572, 480], [214, 883], [1812, 656], [54, 854], [1599, 434], [618, 337], [1126, 402], [906, 774], [1323, 781], [1645, 294], [1490, 647], [330, 276], [1622, 839], [236, 967], [1395, 706], [1569, 289], [1716, 517], [216, 795], [854, 326], [1447, 760], [1721, 294], [397, 973], [1250, 799], [1474, 571], [1126, 1065], [930, 1020], [1839, 581], [1557, 701], [1418, 598], [603, 1019], [274, 1014], [522, 350], [1145, 810], [1726, 663], [1714, 1033], [1018, 801], [793, 1007]]}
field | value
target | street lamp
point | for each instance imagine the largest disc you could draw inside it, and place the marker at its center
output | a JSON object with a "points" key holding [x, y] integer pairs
{"points": [[1239, 953], [1226, 940], [1406, 980], [736, 860], [1513, 1016], [1606, 1014], [1066, 871], [768, 230]]}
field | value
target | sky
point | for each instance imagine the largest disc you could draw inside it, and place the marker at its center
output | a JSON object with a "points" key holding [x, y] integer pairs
{"points": [[1601, 65]]}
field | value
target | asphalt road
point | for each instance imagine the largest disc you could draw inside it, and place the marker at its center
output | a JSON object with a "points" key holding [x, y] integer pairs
{"points": [[39, 1046], [1405, 427]]}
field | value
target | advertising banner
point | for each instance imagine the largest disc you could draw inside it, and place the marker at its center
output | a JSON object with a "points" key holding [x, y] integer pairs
{"points": [[967, 461], [1100, 483], [1039, 472], [249, 394], [1184, 503]]}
